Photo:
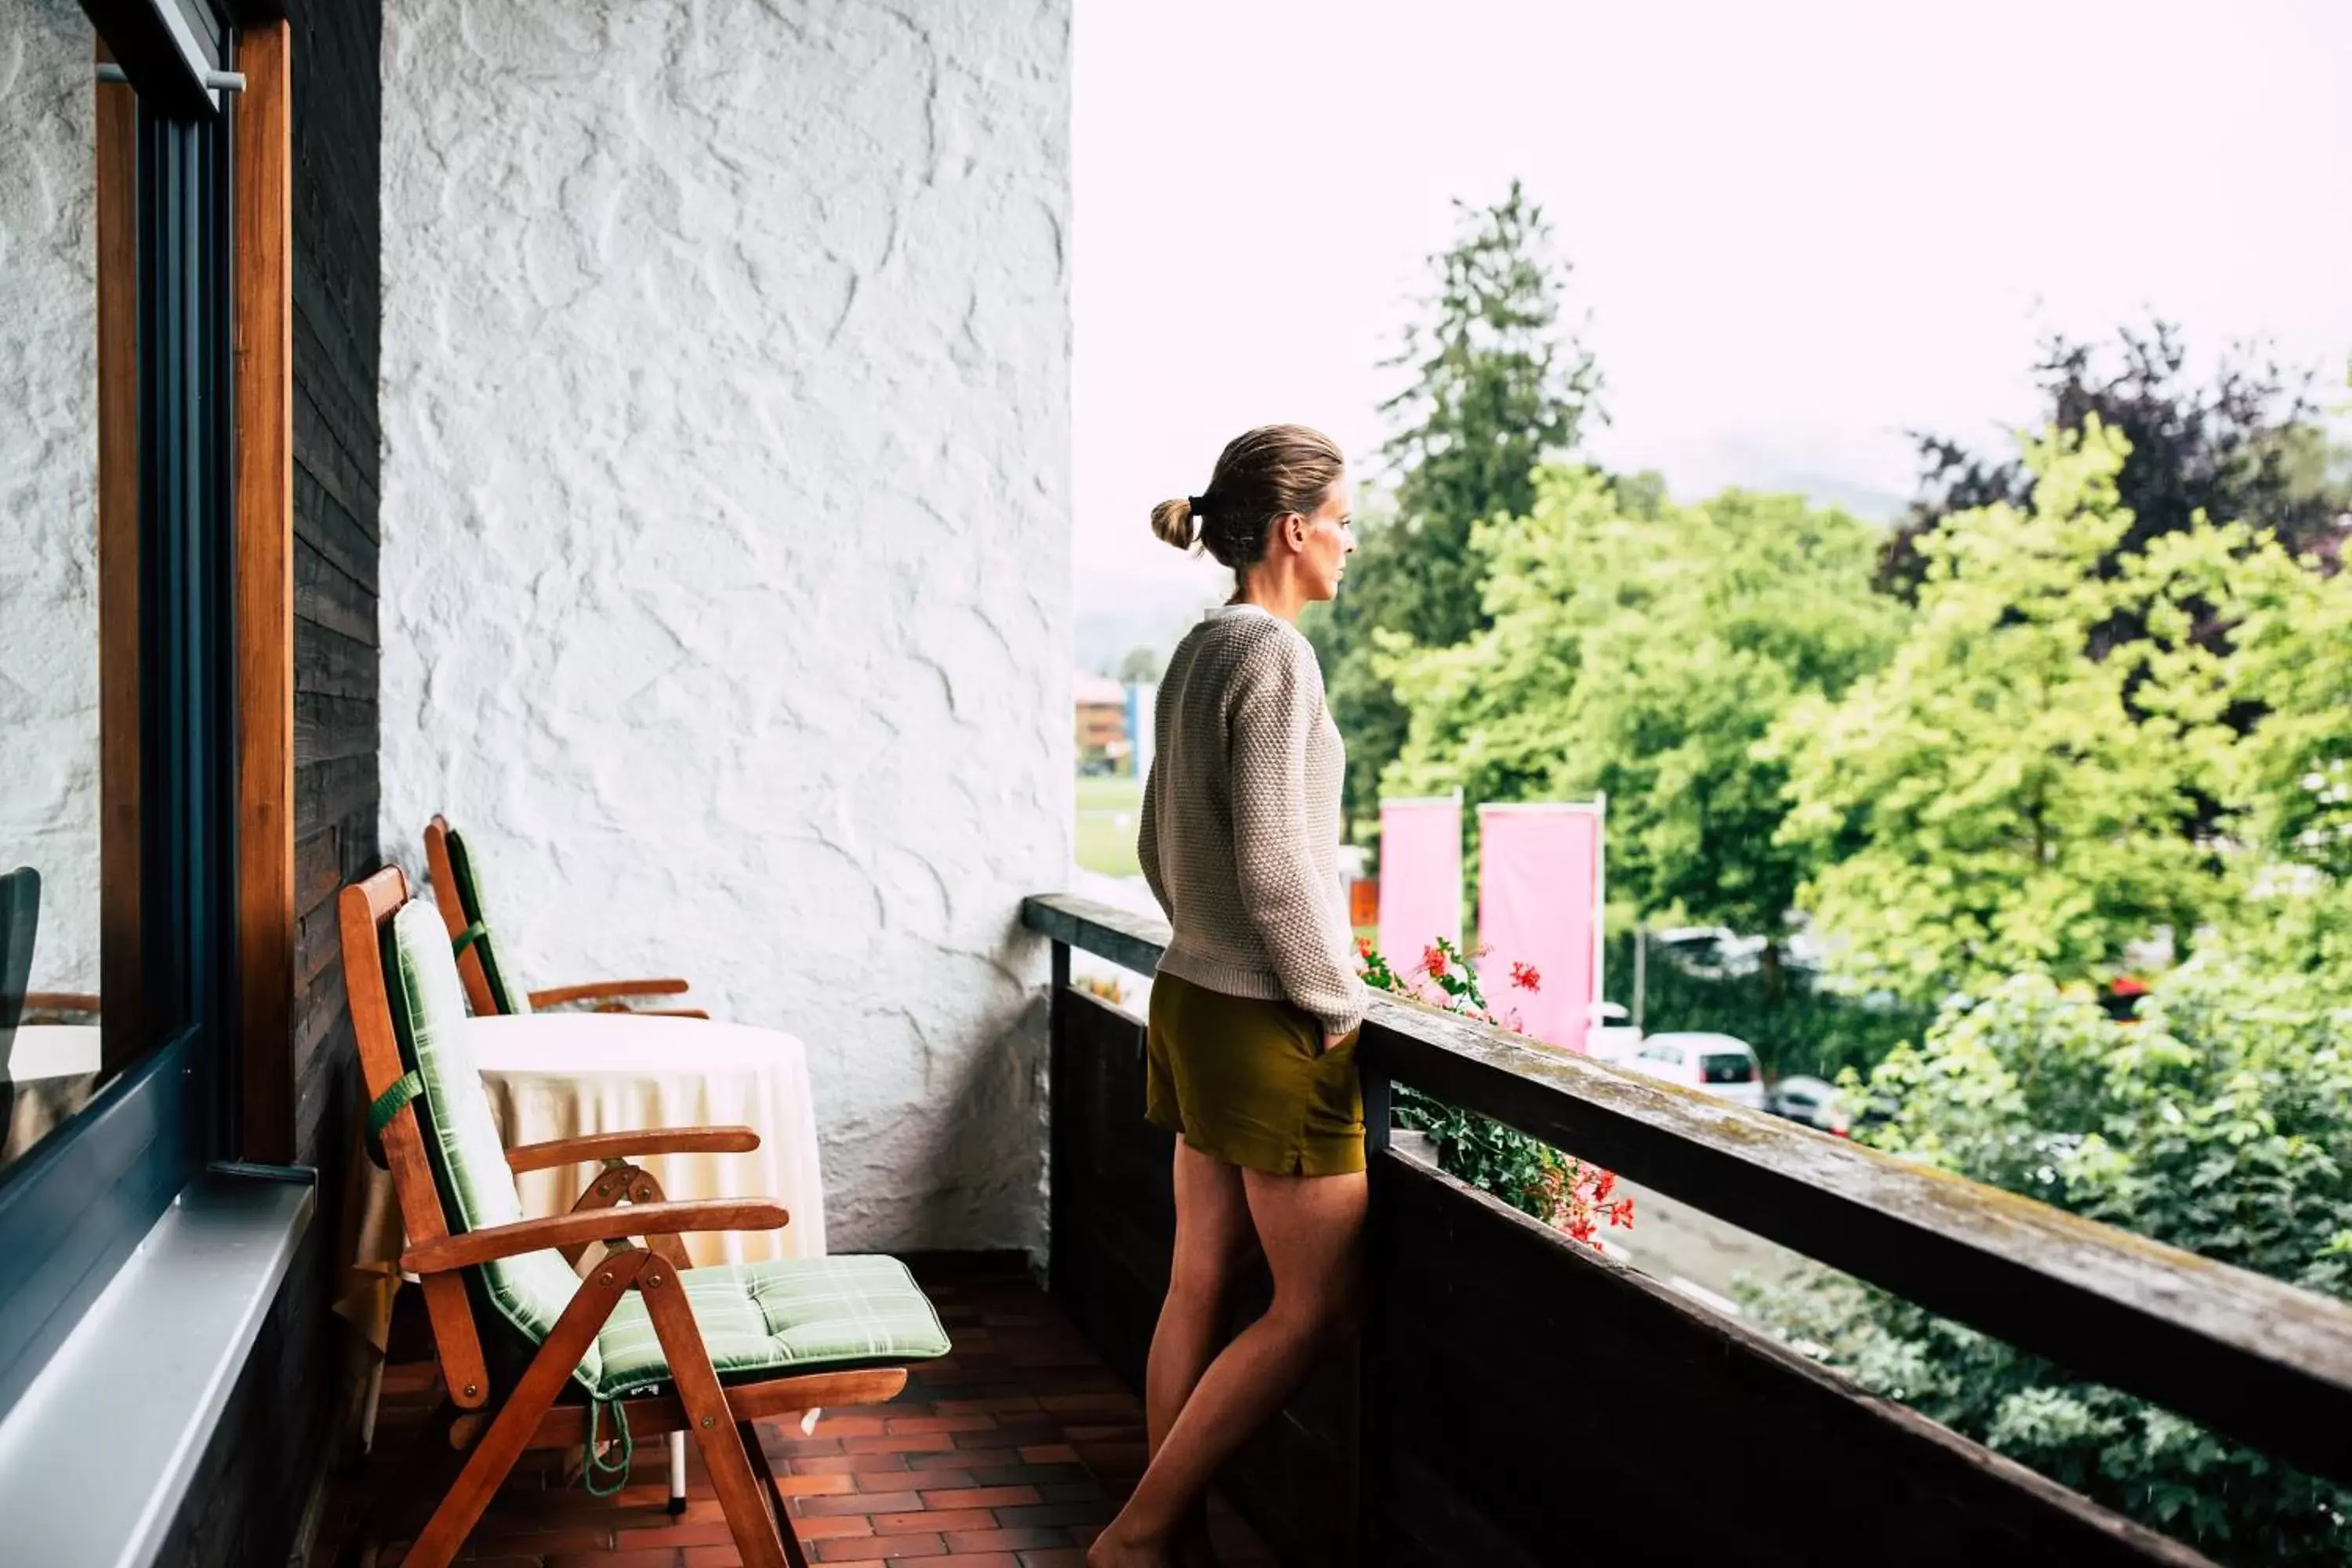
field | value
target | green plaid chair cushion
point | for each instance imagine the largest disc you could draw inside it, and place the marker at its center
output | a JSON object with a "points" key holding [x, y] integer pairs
{"points": [[430, 1015], [508, 994], [779, 1316]]}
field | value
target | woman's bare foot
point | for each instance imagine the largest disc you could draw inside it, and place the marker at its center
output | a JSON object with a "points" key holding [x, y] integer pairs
{"points": [[1111, 1550]]}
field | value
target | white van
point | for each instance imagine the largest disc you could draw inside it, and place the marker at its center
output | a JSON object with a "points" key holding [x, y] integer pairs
{"points": [[1613, 1038], [1713, 1064]]}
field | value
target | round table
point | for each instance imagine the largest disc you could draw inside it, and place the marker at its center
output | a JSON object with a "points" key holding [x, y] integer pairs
{"points": [[565, 1075]]}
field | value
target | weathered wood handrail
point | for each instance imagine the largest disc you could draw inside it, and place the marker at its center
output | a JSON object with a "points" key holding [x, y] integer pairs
{"points": [[2251, 1356]]}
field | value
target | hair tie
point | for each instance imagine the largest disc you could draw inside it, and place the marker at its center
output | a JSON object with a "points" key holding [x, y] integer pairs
{"points": [[1199, 504]]}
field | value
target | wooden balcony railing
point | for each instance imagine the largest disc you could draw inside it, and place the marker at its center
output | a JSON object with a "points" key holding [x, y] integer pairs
{"points": [[1516, 1398]]}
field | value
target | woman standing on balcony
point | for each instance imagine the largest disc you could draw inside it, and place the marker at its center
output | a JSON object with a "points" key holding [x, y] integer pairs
{"points": [[1256, 1005]]}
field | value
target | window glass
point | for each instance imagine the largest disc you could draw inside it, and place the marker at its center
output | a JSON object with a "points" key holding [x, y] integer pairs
{"points": [[51, 1013]]}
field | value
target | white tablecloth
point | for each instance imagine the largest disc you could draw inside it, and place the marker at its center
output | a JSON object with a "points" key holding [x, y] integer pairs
{"points": [[565, 1075], [54, 1068]]}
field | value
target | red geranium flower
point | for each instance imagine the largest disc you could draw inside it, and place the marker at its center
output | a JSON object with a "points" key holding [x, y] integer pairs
{"points": [[1433, 959], [1525, 977], [1363, 947]]}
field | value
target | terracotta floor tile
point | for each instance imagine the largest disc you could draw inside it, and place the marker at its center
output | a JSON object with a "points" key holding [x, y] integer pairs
{"points": [[1008, 1454], [937, 1519], [1000, 1540], [881, 1549], [899, 1480]]}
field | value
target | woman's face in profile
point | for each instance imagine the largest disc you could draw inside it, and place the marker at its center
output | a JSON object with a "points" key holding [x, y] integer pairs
{"points": [[1330, 539]]}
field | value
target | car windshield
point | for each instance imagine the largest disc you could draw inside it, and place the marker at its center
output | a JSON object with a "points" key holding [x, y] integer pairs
{"points": [[1726, 1066]]}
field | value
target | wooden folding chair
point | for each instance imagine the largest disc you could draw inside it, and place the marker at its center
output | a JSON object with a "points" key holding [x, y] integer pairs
{"points": [[20, 924], [532, 1354], [490, 985]]}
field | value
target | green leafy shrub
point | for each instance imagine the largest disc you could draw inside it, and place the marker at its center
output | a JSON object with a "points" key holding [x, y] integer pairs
{"points": [[2219, 1121]]}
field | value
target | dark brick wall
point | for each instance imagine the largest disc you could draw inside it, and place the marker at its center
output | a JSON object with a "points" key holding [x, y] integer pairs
{"points": [[338, 310], [284, 1421]]}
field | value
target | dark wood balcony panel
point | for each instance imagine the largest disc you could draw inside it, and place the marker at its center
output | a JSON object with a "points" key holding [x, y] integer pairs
{"points": [[2251, 1356], [1519, 1400], [1541, 1401]]}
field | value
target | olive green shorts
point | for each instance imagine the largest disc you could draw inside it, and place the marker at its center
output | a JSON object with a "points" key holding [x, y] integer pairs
{"points": [[1248, 1082]]}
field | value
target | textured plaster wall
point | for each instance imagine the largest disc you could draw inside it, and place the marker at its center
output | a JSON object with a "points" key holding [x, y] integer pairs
{"points": [[48, 479], [726, 534]]}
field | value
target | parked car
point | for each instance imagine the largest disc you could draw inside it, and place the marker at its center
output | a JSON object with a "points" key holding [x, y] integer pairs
{"points": [[1710, 953], [1811, 1100], [1613, 1038], [1713, 1064]]}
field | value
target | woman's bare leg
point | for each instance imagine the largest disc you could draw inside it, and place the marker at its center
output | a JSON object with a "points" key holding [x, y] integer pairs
{"points": [[1310, 1227], [1215, 1245], [1212, 1240]]}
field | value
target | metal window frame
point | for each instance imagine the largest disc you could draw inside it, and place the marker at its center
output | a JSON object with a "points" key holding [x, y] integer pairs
{"points": [[75, 1207], [169, 49]]}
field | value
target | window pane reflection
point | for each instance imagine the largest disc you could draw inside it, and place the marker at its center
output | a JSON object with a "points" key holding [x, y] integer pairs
{"points": [[50, 1013]]}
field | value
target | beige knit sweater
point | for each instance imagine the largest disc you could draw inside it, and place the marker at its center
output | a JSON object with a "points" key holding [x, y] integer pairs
{"points": [[1241, 819]]}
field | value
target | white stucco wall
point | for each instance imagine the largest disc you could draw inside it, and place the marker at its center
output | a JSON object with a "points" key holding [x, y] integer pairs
{"points": [[48, 479], [726, 533]]}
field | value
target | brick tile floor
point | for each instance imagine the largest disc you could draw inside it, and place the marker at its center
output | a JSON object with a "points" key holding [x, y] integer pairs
{"points": [[1010, 1452]]}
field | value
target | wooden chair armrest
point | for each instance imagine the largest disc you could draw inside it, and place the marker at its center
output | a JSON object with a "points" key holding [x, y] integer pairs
{"points": [[556, 996], [628, 1145], [592, 1224]]}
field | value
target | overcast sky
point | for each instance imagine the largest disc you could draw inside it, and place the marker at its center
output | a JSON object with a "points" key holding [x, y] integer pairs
{"points": [[1799, 228]]}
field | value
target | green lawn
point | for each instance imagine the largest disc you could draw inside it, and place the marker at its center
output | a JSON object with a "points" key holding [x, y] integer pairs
{"points": [[1106, 823]]}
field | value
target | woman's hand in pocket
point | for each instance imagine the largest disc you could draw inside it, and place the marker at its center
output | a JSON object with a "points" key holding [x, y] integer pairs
{"points": [[1332, 1042]]}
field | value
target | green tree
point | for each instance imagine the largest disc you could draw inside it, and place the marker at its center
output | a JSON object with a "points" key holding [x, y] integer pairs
{"points": [[2244, 447], [1496, 385], [1645, 650], [1140, 663], [1496, 390], [1998, 799], [2291, 775]]}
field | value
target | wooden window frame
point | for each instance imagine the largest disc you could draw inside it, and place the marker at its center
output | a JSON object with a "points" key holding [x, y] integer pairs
{"points": [[264, 595], [196, 618]]}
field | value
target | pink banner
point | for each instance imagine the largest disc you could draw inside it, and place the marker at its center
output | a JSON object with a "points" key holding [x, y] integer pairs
{"points": [[1421, 878], [1539, 900]]}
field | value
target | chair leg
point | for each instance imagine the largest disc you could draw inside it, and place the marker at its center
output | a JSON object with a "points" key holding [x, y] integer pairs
{"points": [[510, 1431], [753, 1445], [677, 1473], [757, 1536]]}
